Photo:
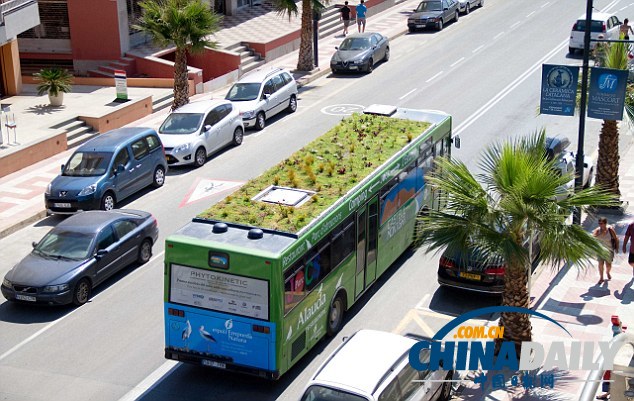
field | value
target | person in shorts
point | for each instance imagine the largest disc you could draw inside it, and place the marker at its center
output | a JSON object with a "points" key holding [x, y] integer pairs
{"points": [[345, 17], [606, 235], [629, 237], [361, 11]]}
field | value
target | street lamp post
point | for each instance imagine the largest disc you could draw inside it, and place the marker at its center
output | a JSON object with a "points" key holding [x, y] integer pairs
{"points": [[316, 18], [576, 218]]}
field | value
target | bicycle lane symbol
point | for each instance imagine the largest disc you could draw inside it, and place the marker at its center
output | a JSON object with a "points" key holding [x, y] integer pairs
{"points": [[342, 109]]}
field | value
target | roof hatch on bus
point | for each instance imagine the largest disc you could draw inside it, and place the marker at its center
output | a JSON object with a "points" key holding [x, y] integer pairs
{"points": [[380, 110], [284, 196]]}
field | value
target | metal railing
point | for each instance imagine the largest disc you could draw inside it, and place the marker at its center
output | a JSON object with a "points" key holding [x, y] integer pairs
{"points": [[13, 5], [595, 377]]}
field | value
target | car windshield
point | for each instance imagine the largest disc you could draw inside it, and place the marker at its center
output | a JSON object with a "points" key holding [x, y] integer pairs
{"points": [[596, 26], [243, 92], [429, 6], [181, 123], [63, 244], [322, 393], [355, 44], [87, 164]]}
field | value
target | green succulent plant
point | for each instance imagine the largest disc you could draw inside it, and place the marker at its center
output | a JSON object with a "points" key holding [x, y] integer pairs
{"points": [[53, 81]]}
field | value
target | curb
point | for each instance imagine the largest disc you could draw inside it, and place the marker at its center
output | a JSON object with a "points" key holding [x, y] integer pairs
{"points": [[21, 224]]}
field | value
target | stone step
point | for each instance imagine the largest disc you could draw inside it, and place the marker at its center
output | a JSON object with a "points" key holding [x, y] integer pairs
{"points": [[73, 125], [249, 60], [162, 102], [109, 69], [80, 137], [244, 68], [99, 74], [77, 132]]}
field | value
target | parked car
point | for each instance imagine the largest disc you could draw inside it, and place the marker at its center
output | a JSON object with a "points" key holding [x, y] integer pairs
{"points": [[603, 24], [196, 130], [557, 149], [374, 365], [79, 254], [262, 94], [465, 6], [471, 270], [433, 14], [107, 169], [360, 52]]}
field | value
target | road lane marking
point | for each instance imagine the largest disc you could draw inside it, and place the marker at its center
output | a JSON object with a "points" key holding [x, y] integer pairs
{"points": [[151, 381], [435, 76], [407, 94], [529, 14], [53, 323], [477, 49], [404, 322], [515, 24], [421, 323], [420, 303], [545, 4], [498, 35], [461, 59], [431, 313], [622, 8]]}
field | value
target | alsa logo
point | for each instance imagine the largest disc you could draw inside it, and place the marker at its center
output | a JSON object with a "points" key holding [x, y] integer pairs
{"points": [[473, 355]]}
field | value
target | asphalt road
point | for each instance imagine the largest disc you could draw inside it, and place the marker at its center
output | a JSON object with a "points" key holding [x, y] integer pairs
{"points": [[485, 71]]}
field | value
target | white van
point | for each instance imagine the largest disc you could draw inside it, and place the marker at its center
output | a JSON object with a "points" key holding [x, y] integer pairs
{"points": [[374, 366], [602, 24]]}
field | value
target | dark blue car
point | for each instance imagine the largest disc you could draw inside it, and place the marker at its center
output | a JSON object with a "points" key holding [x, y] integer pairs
{"points": [[107, 169], [80, 253]]}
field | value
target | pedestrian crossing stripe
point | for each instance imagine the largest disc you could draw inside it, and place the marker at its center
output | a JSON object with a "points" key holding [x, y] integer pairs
{"points": [[204, 188]]}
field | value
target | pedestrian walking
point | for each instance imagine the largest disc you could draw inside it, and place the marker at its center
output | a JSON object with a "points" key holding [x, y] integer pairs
{"points": [[606, 236], [625, 29], [361, 11], [345, 17], [629, 237], [605, 386]]}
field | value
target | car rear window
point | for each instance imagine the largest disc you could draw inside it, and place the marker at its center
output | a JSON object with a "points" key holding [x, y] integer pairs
{"points": [[597, 26]]}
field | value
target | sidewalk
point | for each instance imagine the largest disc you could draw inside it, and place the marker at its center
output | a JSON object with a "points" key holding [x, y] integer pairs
{"points": [[22, 193]]}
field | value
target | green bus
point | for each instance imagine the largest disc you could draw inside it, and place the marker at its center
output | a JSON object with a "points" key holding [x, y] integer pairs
{"points": [[255, 281]]}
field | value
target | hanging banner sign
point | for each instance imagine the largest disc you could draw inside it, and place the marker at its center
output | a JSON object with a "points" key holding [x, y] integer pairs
{"points": [[607, 93], [121, 84], [559, 89]]}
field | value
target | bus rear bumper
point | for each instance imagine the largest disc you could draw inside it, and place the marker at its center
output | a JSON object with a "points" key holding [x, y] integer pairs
{"points": [[201, 360]]}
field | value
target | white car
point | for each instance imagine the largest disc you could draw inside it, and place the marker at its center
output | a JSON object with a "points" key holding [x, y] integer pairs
{"points": [[196, 130], [374, 365], [465, 6], [602, 24]]}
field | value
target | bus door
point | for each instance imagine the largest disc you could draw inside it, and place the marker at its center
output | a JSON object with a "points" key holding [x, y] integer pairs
{"points": [[367, 237]]}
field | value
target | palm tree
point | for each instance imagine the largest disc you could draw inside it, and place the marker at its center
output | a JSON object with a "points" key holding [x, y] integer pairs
{"points": [[305, 61], [518, 194], [184, 23]]}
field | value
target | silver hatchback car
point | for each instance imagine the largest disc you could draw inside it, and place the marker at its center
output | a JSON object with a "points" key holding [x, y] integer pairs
{"points": [[262, 94], [196, 130]]}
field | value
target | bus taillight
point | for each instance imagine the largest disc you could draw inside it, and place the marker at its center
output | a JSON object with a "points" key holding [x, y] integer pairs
{"points": [[261, 329], [176, 312]]}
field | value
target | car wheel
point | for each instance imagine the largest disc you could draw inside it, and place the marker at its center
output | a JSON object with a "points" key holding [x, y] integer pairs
{"points": [[81, 293], [107, 201], [370, 66], [455, 17], [238, 135], [159, 177], [145, 252], [387, 54], [439, 25], [411, 29], [292, 104], [335, 316], [445, 392], [467, 9], [571, 50], [260, 121], [200, 157]]}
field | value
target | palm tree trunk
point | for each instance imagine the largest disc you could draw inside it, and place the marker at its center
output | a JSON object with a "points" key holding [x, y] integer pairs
{"points": [[608, 163], [181, 87], [305, 62], [517, 326]]}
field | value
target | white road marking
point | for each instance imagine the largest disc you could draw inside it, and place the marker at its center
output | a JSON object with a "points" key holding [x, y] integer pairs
{"points": [[477, 49], [545, 4], [622, 8], [407, 94], [529, 14], [151, 381], [435, 76], [461, 59], [420, 303], [498, 35], [53, 323], [515, 24]]}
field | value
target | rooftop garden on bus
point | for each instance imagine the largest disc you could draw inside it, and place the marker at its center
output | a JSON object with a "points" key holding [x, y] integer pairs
{"points": [[330, 166]]}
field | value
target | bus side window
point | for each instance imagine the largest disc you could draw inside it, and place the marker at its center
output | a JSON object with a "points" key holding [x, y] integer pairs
{"points": [[294, 286], [343, 242], [318, 266]]}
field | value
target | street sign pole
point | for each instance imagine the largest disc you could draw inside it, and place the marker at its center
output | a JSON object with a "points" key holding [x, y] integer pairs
{"points": [[576, 218]]}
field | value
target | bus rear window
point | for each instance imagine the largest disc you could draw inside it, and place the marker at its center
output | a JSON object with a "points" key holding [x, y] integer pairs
{"points": [[596, 26]]}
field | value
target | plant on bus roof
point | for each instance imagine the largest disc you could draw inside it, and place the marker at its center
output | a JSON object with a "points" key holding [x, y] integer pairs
{"points": [[346, 154]]}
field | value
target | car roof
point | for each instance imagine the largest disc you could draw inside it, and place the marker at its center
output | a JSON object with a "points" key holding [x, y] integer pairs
{"points": [[361, 35], [597, 16], [201, 106], [363, 360], [260, 75], [115, 139], [93, 220]]}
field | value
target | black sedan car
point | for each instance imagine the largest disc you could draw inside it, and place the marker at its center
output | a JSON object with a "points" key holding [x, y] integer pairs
{"points": [[433, 14], [79, 254], [360, 52]]}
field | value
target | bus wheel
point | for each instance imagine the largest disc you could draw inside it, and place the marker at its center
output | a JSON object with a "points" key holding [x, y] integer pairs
{"points": [[335, 316]]}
